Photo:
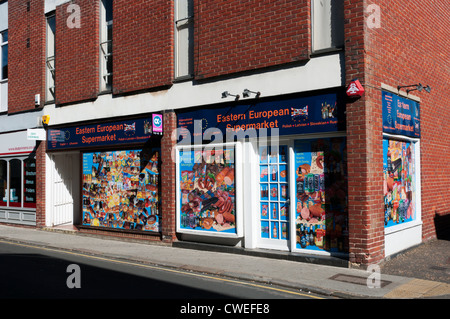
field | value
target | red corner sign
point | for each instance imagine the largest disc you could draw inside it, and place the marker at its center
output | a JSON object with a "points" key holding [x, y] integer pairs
{"points": [[355, 89]]}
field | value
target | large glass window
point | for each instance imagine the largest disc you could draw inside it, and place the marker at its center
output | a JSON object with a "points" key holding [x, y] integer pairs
{"points": [[321, 194], [121, 189], [184, 32], [29, 181], [15, 183], [18, 182], [399, 182], [4, 71], [4, 55], [207, 191], [50, 59], [106, 62], [327, 24], [3, 183]]}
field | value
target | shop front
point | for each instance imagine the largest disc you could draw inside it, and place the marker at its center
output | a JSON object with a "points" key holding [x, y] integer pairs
{"points": [[401, 172], [271, 174], [17, 178], [116, 186]]}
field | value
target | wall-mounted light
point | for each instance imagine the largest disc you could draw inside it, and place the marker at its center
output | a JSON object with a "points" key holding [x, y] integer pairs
{"points": [[227, 94], [415, 87], [247, 92]]}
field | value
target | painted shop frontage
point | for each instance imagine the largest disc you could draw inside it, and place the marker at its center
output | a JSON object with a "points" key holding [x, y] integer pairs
{"points": [[271, 174], [267, 173], [17, 178], [105, 176]]}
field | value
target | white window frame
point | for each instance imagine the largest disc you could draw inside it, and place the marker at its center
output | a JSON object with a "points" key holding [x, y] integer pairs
{"points": [[3, 82], [22, 160], [105, 50], [50, 60], [184, 44], [323, 26], [239, 192]]}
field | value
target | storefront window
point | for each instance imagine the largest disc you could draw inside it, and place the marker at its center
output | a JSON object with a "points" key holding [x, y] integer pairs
{"points": [[3, 182], [121, 189], [15, 183], [398, 186], [207, 190], [29, 180], [321, 194]]}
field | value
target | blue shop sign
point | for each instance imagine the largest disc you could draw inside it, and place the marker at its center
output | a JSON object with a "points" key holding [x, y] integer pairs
{"points": [[400, 115], [111, 133], [301, 115]]}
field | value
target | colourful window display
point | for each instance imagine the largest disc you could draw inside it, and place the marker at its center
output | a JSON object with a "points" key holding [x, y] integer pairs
{"points": [[121, 189], [398, 185], [207, 190], [274, 194], [321, 194]]}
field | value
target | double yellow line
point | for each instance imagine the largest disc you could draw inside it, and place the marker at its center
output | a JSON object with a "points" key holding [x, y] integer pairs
{"points": [[163, 269]]}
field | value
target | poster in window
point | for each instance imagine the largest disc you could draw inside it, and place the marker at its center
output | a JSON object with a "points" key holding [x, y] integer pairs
{"points": [[29, 180], [398, 182], [321, 194], [121, 189], [207, 190]]}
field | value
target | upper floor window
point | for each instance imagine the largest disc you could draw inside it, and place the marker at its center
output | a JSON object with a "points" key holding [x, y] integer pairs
{"points": [[184, 33], [106, 24], [327, 24], [50, 59], [4, 71]]}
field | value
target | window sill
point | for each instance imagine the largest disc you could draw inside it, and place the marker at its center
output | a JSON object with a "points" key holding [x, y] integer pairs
{"points": [[326, 51]]}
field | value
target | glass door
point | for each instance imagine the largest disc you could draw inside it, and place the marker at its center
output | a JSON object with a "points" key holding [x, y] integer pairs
{"points": [[274, 196]]}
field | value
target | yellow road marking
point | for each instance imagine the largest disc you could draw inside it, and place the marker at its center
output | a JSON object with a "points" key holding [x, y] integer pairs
{"points": [[162, 269]]}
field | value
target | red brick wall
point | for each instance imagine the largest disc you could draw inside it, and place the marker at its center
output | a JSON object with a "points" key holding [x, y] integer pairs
{"points": [[77, 54], [40, 183], [365, 198], [168, 194], [234, 36], [26, 64], [142, 45], [407, 48], [411, 46]]}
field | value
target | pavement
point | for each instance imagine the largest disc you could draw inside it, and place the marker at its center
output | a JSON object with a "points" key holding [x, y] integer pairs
{"points": [[421, 272]]}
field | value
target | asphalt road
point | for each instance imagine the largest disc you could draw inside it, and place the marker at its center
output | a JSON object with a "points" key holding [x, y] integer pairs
{"points": [[33, 272]]}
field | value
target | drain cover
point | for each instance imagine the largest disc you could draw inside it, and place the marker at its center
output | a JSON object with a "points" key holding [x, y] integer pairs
{"points": [[356, 280]]}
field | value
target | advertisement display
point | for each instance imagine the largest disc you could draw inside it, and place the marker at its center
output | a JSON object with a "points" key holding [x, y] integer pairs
{"points": [[121, 189], [321, 194], [207, 190], [398, 183], [401, 116], [311, 114]]}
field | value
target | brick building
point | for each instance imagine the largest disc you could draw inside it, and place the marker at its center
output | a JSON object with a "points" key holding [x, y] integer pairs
{"points": [[230, 124]]}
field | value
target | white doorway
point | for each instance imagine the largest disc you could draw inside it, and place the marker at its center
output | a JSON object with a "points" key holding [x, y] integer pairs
{"points": [[64, 189]]}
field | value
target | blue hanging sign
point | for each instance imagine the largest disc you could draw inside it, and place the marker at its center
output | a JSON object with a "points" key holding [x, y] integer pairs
{"points": [[400, 115]]}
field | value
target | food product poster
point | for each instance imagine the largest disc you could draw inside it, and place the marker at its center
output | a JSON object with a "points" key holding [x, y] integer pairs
{"points": [[207, 192], [121, 189], [321, 194], [398, 182]]}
